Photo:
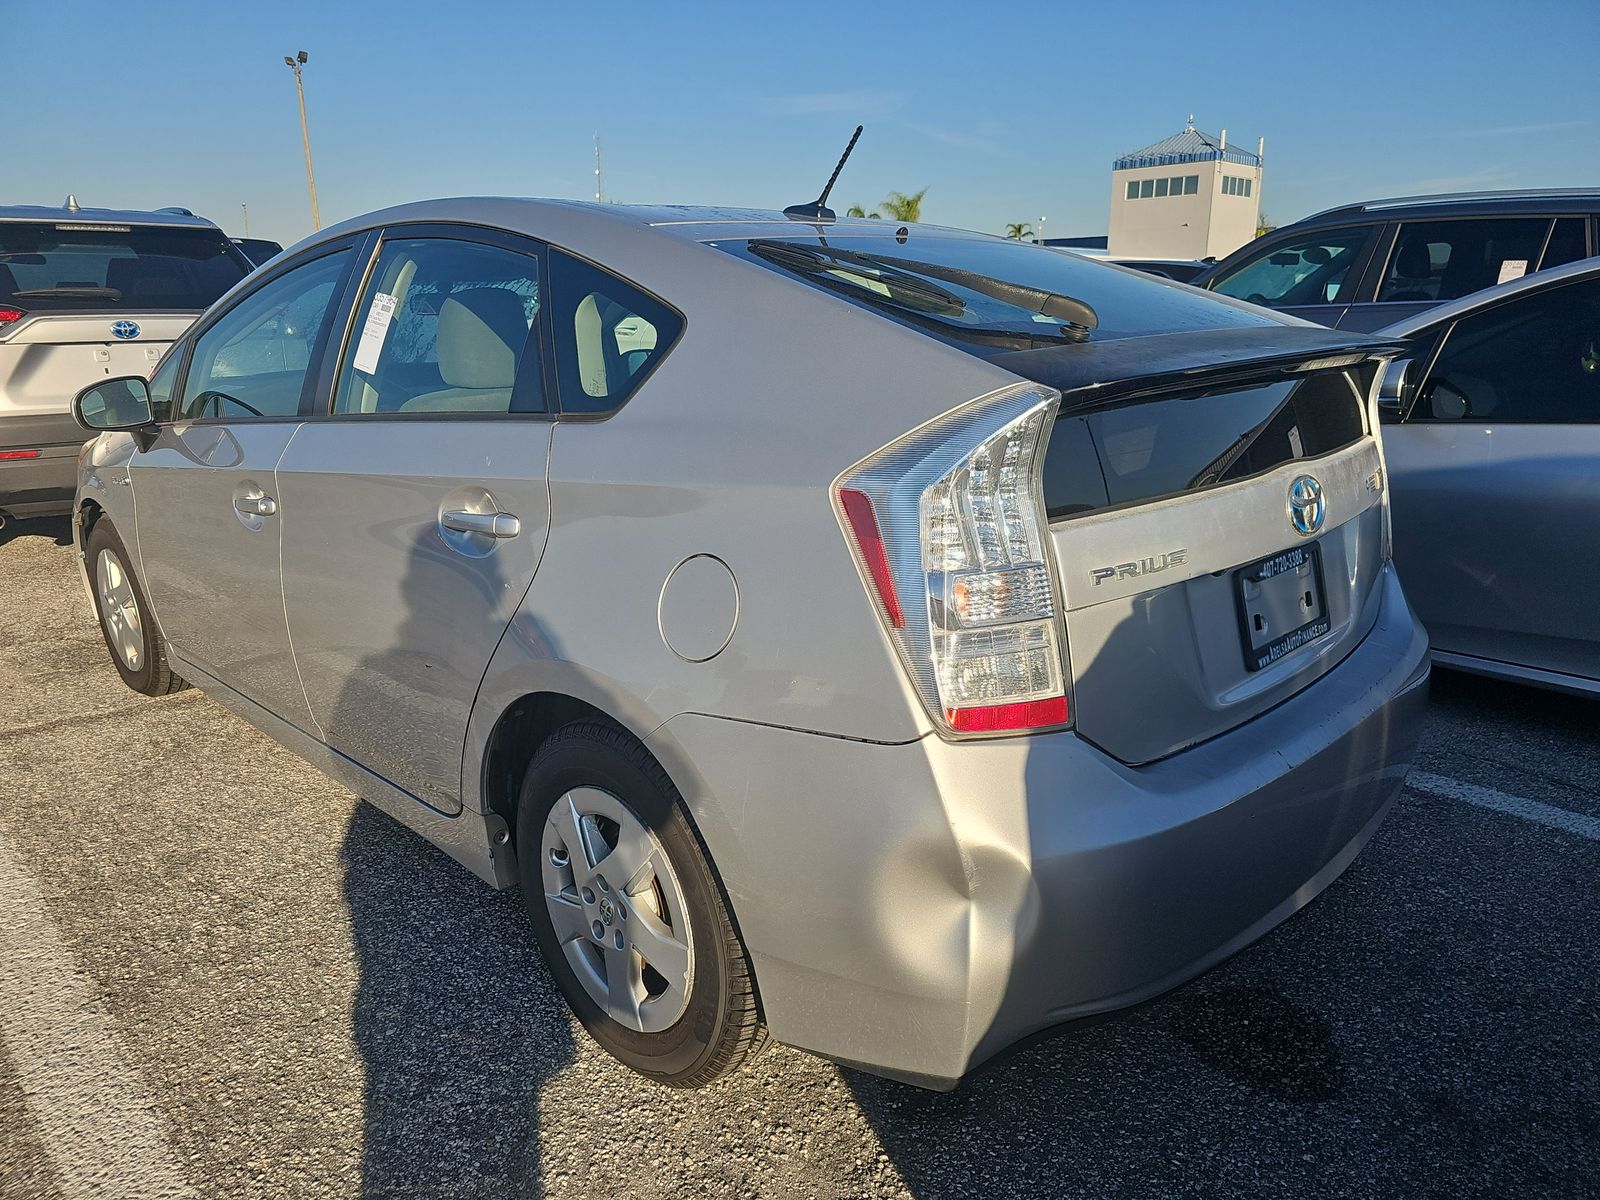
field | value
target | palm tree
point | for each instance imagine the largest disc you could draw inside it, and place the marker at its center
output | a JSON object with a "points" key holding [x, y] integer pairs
{"points": [[855, 210], [902, 207], [1019, 230]]}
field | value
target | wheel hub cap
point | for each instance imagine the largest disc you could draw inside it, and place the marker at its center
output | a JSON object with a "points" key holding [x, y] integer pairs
{"points": [[618, 910], [119, 610]]}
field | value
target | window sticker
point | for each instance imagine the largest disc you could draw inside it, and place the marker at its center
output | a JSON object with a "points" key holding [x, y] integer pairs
{"points": [[374, 332], [1512, 268]]}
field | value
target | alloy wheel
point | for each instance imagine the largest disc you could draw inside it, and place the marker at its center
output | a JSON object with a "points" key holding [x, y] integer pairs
{"points": [[119, 609]]}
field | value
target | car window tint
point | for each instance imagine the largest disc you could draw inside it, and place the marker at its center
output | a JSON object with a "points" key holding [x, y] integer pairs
{"points": [[608, 334], [1566, 243], [1308, 270], [71, 267], [252, 361], [444, 326], [1535, 358], [1440, 260]]}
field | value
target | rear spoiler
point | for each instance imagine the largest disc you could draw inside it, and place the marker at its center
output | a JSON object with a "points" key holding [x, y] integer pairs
{"points": [[1095, 374]]}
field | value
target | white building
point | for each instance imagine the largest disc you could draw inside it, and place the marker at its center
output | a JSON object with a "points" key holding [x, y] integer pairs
{"points": [[1191, 195]]}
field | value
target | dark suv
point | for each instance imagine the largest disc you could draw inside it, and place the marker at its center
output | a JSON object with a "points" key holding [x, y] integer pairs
{"points": [[1363, 266]]}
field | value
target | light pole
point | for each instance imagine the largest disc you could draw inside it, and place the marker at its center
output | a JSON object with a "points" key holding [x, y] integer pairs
{"points": [[246, 208], [294, 64]]}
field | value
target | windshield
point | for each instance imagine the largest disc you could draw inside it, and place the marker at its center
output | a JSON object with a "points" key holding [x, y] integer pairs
{"points": [[72, 267], [991, 295]]}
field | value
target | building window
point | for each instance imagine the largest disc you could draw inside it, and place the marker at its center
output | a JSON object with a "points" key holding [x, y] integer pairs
{"points": [[1247, 187], [1133, 189], [1147, 188], [1175, 185], [1181, 185], [1227, 185], [1161, 187], [1191, 184]]}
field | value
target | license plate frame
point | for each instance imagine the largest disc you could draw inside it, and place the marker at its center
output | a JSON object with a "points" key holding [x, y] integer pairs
{"points": [[1269, 588]]}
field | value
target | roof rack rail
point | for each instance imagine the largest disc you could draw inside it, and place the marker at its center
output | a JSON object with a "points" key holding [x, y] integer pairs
{"points": [[1452, 197]]}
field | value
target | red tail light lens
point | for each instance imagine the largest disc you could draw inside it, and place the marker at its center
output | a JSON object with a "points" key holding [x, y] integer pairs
{"points": [[5, 454], [1031, 714], [9, 316], [869, 539]]}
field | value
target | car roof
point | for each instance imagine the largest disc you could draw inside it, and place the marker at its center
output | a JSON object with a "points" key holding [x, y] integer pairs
{"points": [[63, 215], [1452, 204], [1463, 305]]}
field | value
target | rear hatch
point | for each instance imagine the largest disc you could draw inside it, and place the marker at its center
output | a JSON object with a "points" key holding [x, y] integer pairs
{"points": [[1218, 525], [82, 300]]}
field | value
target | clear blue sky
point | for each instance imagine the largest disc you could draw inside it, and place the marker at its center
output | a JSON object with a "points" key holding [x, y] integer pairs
{"points": [[1005, 112]]}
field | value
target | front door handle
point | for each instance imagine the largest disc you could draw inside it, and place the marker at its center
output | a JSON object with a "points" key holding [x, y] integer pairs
{"points": [[495, 525], [255, 506]]}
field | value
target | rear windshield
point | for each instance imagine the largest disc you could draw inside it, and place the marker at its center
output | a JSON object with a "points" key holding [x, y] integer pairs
{"points": [[1165, 446], [69, 267], [991, 295]]}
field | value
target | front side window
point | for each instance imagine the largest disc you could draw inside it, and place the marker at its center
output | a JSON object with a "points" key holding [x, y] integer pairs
{"points": [[1440, 260], [162, 383], [1534, 359], [1308, 270], [445, 326], [253, 360], [608, 334], [67, 266]]}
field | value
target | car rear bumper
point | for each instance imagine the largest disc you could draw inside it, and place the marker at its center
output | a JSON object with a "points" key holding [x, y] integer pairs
{"points": [[914, 909], [39, 486]]}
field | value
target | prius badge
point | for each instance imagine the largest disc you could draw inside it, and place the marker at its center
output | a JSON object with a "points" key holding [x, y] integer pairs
{"points": [[1307, 510]]}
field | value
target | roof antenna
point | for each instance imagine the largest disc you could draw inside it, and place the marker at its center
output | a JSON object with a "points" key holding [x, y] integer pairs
{"points": [[818, 210]]}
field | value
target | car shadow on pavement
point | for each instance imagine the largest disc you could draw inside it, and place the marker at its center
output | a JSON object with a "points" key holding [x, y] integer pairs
{"points": [[456, 1018], [59, 529]]}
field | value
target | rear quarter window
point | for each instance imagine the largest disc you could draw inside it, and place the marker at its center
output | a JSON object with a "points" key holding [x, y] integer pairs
{"points": [[609, 334]]}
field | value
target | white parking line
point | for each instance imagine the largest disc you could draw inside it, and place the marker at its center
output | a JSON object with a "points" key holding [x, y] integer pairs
{"points": [[97, 1119], [1529, 810]]}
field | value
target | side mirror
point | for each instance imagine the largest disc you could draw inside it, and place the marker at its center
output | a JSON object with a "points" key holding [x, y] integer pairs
{"points": [[1394, 389], [114, 404]]}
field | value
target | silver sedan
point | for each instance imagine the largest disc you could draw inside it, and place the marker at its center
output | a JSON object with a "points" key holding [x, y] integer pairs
{"points": [[890, 640]]}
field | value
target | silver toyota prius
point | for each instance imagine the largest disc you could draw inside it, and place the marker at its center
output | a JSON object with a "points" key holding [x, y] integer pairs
{"points": [[889, 640]]}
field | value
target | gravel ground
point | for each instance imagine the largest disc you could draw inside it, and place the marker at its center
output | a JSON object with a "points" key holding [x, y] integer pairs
{"points": [[322, 1005]]}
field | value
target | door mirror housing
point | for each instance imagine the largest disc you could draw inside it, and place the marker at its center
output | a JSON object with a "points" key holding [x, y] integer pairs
{"points": [[114, 404], [1394, 389]]}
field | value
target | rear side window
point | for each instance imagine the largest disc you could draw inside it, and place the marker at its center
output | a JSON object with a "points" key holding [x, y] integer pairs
{"points": [[608, 334], [1434, 261], [1307, 270], [1534, 358], [445, 326], [1566, 243], [68, 267]]}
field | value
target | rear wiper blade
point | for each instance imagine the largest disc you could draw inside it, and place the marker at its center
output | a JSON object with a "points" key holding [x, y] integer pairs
{"points": [[87, 292], [819, 262], [1051, 304]]}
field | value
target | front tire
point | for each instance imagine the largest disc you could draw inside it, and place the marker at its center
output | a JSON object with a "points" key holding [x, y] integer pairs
{"points": [[126, 622], [628, 914]]}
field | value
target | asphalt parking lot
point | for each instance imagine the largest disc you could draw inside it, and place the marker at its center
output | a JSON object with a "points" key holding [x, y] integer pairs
{"points": [[220, 975]]}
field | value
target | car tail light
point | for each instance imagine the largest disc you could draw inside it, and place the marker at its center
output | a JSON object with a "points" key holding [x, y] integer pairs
{"points": [[10, 316], [948, 530]]}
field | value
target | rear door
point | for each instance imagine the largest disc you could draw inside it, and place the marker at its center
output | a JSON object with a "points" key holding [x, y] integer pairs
{"points": [[414, 512], [1497, 484], [1309, 275], [208, 515]]}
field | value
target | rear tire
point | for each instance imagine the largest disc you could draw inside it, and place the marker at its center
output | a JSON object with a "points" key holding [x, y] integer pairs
{"points": [[595, 803], [126, 622]]}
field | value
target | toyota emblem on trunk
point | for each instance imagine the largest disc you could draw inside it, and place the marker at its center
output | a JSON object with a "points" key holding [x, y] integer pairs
{"points": [[126, 330], [1306, 507]]}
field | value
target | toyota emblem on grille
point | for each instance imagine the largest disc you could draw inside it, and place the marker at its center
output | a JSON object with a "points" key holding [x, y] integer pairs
{"points": [[1306, 507], [126, 330]]}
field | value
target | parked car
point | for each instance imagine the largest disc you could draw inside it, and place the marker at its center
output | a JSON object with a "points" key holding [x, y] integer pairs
{"points": [[1493, 442], [258, 250], [1364, 266], [896, 639], [1183, 270], [87, 294]]}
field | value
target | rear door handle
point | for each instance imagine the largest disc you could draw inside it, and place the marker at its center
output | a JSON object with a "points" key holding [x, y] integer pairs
{"points": [[255, 506], [495, 525]]}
